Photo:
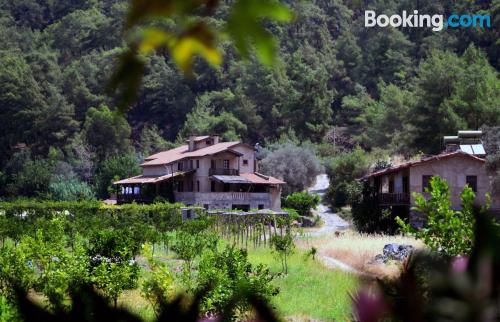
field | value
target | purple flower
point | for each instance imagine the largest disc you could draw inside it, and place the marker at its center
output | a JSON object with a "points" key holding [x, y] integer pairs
{"points": [[459, 264], [369, 306]]}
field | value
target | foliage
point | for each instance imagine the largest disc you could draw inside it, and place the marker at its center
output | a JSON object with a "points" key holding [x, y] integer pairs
{"points": [[93, 307], [243, 27], [302, 202], [157, 287], [33, 179], [491, 141], [87, 218], [114, 169], [115, 277], [70, 189], [436, 288], [224, 273], [369, 217], [106, 132], [448, 232], [283, 246], [151, 141], [188, 246], [343, 172], [202, 120], [297, 166], [43, 262], [7, 311], [396, 89]]}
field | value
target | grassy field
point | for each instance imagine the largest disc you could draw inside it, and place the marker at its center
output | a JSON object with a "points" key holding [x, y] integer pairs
{"points": [[358, 250], [309, 291]]}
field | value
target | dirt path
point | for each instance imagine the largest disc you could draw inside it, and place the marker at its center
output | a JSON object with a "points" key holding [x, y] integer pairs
{"points": [[332, 222]]}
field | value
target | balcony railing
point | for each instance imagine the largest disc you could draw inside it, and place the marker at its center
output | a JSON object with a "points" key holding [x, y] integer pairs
{"points": [[394, 198], [223, 172], [129, 198], [210, 197]]}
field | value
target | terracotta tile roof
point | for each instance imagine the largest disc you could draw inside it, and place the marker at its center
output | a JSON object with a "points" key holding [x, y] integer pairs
{"points": [[258, 178], [182, 152], [409, 164]]}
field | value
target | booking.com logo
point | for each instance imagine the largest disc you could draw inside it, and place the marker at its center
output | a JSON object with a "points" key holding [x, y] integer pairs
{"points": [[416, 20]]}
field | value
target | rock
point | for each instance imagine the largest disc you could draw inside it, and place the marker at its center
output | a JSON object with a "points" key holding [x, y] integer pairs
{"points": [[394, 252], [307, 221]]}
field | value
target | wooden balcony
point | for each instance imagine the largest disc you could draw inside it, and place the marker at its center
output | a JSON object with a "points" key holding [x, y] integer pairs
{"points": [[129, 198], [213, 197], [223, 172], [394, 199]]}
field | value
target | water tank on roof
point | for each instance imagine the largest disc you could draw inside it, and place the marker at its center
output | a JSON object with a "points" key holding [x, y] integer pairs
{"points": [[470, 134]]}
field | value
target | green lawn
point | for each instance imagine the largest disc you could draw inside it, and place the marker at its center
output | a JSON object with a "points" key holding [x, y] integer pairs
{"points": [[309, 290]]}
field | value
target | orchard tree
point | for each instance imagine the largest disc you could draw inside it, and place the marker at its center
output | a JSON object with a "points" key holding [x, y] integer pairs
{"points": [[448, 232]]}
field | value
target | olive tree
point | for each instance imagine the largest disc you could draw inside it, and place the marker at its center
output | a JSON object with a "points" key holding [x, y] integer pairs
{"points": [[297, 165]]}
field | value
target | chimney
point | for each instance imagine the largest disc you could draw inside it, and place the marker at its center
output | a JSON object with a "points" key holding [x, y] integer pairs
{"points": [[215, 139], [191, 142]]}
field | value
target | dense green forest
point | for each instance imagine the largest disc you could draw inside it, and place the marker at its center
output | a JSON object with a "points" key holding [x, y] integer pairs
{"points": [[335, 82]]}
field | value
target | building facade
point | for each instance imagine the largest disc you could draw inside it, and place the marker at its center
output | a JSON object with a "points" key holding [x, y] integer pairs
{"points": [[204, 172], [395, 186]]}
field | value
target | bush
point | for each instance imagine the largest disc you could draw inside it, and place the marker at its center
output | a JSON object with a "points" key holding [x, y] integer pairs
{"points": [[302, 202], [70, 189], [142, 222], [225, 273], [283, 247], [343, 172], [368, 217], [114, 168], [448, 232]]}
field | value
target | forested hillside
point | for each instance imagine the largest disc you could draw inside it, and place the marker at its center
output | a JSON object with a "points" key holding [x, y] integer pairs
{"points": [[395, 89]]}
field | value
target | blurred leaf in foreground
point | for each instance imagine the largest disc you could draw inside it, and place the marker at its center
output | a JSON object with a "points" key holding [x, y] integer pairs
{"points": [[192, 37]]}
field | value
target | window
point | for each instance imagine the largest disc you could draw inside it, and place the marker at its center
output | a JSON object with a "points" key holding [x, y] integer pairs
{"points": [[179, 166], [190, 164], [197, 164], [212, 164], [226, 187], [406, 185], [191, 186], [180, 186], [471, 181], [261, 206], [426, 182], [212, 186], [245, 162], [225, 164], [391, 186], [197, 185]]}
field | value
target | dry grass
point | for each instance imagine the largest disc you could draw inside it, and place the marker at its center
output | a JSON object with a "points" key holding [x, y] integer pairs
{"points": [[358, 250]]}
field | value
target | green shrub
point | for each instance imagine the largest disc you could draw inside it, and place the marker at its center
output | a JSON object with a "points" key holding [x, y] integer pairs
{"points": [[226, 273], [70, 189], [7, 311], [369, 217], [143, 222], [343, 171], [302, 202], [447, 231], [283, 247]]}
